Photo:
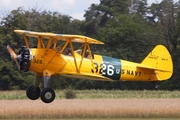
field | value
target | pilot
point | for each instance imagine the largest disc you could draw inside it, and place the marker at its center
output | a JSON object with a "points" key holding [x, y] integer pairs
{"points": [[87, 55], [68, 52]]}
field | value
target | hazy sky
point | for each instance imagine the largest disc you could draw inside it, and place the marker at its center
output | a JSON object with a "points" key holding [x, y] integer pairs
{"points": [[74, 8]]}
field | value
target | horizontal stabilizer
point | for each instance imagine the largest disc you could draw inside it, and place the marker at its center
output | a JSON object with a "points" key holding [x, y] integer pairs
{"points": [[153, 68]]}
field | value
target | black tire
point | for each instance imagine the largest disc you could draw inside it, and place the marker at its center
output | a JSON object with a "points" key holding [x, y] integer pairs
{"points": [[156, 85], [33, 93], [47, 95]]}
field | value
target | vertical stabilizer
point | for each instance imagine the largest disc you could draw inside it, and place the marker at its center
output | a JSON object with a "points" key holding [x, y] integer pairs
{"points": [[160, 60]]}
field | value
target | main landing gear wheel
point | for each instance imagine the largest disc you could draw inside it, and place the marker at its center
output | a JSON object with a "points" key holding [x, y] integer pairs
{"points": [[47, 95], [32, 92]]}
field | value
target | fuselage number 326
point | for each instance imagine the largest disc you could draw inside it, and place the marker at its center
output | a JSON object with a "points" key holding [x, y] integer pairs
{"points": [[104, 69]]}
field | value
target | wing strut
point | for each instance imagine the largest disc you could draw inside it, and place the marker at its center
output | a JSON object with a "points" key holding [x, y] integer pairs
{"points": [[90, 54], [82, 57], [86, 46], [49, 43], [26, 41], [75, 62]]}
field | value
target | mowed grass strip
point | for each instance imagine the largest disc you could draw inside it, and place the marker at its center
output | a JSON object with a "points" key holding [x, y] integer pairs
{"points": [[97, 94], [90, 108]]}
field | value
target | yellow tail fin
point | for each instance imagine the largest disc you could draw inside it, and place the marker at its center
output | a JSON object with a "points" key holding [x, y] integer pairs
{"points": [[160, 60]]}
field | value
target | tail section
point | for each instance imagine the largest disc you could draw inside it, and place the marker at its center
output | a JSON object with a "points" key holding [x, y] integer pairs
{"points": [[160, 61]]}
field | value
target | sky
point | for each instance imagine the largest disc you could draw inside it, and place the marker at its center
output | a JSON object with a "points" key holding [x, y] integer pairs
{"points": [[74, 8]]}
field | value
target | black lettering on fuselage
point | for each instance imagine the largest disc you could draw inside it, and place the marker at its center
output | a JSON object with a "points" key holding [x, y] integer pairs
{"points": [[37, 61], [128, 72], [164, 59], [122, 71], [153, 57], [136, 73], [133, 73]]}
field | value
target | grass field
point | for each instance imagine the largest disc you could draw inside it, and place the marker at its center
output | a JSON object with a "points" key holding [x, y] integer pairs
{"points": [[91, 108], [96, 104], [97, 94]]}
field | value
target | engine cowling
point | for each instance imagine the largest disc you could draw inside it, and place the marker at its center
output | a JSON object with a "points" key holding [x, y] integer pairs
{"points": [[24, 58]]}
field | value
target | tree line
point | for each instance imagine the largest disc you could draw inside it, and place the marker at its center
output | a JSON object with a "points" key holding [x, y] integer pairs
{"points": [[129, 30]]}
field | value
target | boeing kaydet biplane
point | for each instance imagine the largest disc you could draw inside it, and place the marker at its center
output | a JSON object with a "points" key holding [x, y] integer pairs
{"points": [[55, 54]]}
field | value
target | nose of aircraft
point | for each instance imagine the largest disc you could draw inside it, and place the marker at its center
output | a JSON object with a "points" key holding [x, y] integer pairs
{"points": [[23, 58]]}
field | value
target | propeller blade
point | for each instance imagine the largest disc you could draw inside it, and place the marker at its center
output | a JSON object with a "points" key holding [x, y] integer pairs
{"points": [[13, 55], [11, 52]]}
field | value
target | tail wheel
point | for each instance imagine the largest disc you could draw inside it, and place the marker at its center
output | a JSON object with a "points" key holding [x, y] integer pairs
{"points": [[32, 92], [47, 95], [156, 85]]}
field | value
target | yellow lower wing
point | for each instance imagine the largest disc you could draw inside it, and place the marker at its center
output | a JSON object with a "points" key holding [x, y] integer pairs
{"points": [[84, 76]]}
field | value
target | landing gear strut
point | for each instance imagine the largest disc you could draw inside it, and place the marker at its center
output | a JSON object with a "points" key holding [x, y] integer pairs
{"points": [[47, 94]]}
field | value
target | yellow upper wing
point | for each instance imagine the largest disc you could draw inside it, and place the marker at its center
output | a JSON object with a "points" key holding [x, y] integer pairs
{"points": [[63, 37]]}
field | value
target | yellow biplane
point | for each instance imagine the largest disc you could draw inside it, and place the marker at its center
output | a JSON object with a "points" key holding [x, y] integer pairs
{"points": [[55, 54]]}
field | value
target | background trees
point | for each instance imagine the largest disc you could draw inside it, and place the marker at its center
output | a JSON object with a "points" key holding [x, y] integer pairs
{"points": [[130, 29]]}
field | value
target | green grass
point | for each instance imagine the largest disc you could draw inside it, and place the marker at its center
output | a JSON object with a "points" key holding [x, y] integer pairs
{"points": [[97, 94], [107, 119], [86, 94]]}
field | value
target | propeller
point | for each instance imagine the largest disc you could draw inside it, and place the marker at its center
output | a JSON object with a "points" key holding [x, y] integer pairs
{"points": [[13, 55]]}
